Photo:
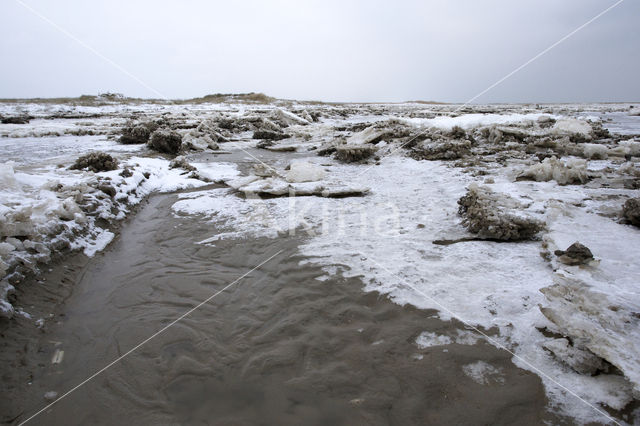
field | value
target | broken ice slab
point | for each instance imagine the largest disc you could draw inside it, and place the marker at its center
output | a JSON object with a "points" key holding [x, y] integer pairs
{"points": [[58, 355], [275, 187]]}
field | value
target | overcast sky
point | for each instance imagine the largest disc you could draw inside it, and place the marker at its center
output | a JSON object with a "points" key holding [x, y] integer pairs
{"points": [[445, 50]]}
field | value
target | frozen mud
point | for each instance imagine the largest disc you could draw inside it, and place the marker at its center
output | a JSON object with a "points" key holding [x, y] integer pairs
{"points": [[416, 200]]}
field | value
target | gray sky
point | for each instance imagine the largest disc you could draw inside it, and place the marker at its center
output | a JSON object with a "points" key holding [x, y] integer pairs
{"points": [[446, 50]]}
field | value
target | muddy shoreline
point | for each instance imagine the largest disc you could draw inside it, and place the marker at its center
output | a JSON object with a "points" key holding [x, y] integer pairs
{"points": [[280, 347], [41, 296], [552, 175]]}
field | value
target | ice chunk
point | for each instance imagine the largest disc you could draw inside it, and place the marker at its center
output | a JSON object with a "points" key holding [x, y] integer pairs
{"points": [[581, 360], [6, 309], [50, 396], [631, 148], [597, 306], [198, 142], [596, 322], [305, 172], [288, 117], [572, 126], [345, 191], [7, 174], [98, 243], [242, 181], [306, 188], [595, 151], [270, 186], [572, 171], [368, 135], [6, 248]]}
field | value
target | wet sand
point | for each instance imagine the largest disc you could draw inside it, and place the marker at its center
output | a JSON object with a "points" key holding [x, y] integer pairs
{"points": [[279, 347]]}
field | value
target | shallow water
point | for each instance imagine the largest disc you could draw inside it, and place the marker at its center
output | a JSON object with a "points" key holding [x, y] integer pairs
{"points": [[622, 123], [278, 347], [56, 149]]}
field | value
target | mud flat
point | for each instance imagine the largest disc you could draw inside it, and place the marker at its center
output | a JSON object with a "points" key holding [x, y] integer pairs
{"points": [[280, 347]]}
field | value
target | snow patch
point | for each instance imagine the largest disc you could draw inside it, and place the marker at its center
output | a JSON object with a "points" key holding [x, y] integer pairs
{"points": [[427, 339], [468, 121], [483, 373]]}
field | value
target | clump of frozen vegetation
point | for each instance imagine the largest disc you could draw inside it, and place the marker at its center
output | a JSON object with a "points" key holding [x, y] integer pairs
{"points": [[442, 150], [95, 162], [354, 153], [269, 135], [364, 144], [166, 141], [137, 133], [436, 144], [631, 211], [181, 163], [496, 216], [15, 119], [575, 254]]}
